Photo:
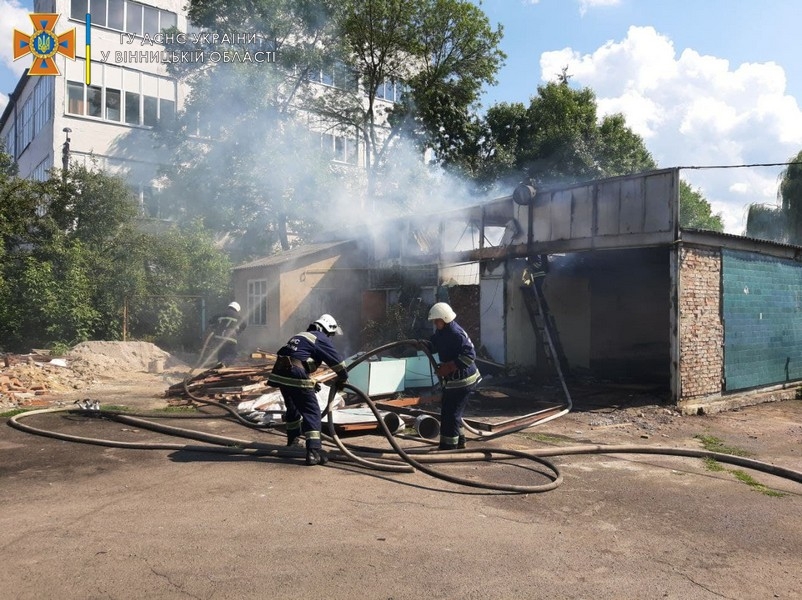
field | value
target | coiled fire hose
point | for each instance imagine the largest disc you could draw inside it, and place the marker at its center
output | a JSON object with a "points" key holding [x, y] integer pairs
{"points": [[410, 460]]}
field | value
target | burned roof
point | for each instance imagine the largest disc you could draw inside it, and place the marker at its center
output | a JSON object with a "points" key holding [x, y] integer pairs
{"points": [[294, 254]]}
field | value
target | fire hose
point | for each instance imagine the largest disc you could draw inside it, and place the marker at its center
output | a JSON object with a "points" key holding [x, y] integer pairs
{"points": [[400, 461]]}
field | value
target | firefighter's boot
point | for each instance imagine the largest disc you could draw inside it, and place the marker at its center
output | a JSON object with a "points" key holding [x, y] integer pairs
{"points": [[316, 456], [292, 437]]}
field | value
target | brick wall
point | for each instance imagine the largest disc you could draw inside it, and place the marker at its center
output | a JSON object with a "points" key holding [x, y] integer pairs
{"points": [[701, 332]]}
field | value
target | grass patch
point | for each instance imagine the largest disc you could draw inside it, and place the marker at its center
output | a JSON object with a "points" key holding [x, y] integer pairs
{"points": [[115, 408], [177, 409], [545, 438], [714, 444], [14, 412], [711, 464], [755, 485]]}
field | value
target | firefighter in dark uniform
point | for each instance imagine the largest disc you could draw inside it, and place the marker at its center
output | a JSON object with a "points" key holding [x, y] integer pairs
{"points": [[226, 328], [296, 360], [457, 370]]}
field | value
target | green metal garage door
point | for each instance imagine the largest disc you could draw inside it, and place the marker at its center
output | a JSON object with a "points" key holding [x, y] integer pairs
{"points": [[762, 307]]}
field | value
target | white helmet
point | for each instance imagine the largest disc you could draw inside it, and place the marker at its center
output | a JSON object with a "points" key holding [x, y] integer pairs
{"points": [[328, 324], [235, 306], [441, 310]]}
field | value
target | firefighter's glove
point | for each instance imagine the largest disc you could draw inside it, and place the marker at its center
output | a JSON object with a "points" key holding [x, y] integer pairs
{"points": [[445, 369], [317, 386], [339, 385]]}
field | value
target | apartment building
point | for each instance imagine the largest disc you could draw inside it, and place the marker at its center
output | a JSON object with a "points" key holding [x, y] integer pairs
{"points": [[104, 112]]}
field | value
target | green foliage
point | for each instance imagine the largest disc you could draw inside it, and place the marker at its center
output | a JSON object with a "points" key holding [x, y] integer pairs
{"points": [[74, 254], [557, 138], [256, 173], [781, 223], [713, 444], [790, 194], [695, 211], [766, 222]]}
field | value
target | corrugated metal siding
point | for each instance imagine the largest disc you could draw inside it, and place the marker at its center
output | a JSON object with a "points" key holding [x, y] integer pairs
{"points": [[762, 306]]}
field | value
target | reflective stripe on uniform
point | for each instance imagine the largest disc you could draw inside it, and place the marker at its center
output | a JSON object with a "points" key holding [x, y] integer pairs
{"points": [[310, 337], [449, 441], [291, 381], [460, 383], [227, 339], [465, 360], [294, 425], [312, 435]]}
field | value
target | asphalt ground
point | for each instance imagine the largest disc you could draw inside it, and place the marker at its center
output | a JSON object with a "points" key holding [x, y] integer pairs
{"points": [[85, 522]]}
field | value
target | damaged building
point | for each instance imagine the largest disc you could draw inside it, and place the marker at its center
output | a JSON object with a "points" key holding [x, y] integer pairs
{"points": [[713, 319]]}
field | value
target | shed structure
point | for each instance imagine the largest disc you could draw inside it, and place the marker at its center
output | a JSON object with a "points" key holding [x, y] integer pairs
{"points": [[282, 293], [714, 319]]}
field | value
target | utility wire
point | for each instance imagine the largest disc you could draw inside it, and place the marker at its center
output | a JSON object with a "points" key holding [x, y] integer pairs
{"points": [[779, 164]]}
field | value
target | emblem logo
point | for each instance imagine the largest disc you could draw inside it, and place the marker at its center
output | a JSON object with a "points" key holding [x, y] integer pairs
{"points": [[44, 43]]}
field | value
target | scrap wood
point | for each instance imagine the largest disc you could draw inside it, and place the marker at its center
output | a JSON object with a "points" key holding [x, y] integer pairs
{"points": [[233, 383]]}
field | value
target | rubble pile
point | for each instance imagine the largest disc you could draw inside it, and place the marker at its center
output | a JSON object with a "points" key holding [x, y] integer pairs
{"points": [[31, 379]]}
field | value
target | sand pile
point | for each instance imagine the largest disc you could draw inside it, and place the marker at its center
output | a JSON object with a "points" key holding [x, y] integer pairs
{"points": [[115, 359]]}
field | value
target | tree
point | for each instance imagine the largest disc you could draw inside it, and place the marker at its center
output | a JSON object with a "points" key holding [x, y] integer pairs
{"points": [[243, 163], [790, 196], [695, 212], [781, 223], [765, 222], [557, 138], [440, 52], [257, 173], [74, 252]]}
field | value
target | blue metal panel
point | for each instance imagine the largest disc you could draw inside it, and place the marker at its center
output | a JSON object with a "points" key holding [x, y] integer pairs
{"points": [[762, 310]]}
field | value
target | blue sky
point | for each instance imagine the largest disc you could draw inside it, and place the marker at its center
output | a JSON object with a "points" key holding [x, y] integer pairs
{"points": [[704, 82]]}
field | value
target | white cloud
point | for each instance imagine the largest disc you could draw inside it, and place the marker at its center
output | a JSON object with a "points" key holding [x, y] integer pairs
{"points": [[586, 5], [3, 101], [14, 17], [692, 110]]}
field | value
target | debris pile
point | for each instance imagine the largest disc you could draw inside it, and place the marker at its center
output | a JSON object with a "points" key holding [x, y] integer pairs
{"points": [[233, 384], [31, 379], [26, 378]]}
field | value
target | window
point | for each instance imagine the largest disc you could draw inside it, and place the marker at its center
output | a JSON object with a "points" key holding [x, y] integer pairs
{"points": [[132, 108], [78, 9], [168, 19], [344, 77], [97, 8], [112, 104], [340, 148], [75, 98], [11, 141], [257, 302], [390, 90], [43, 103], [151, 111], [133, 20], [94, 101], [151, 21], [25, 124], [166, 110], [116, 14]]}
